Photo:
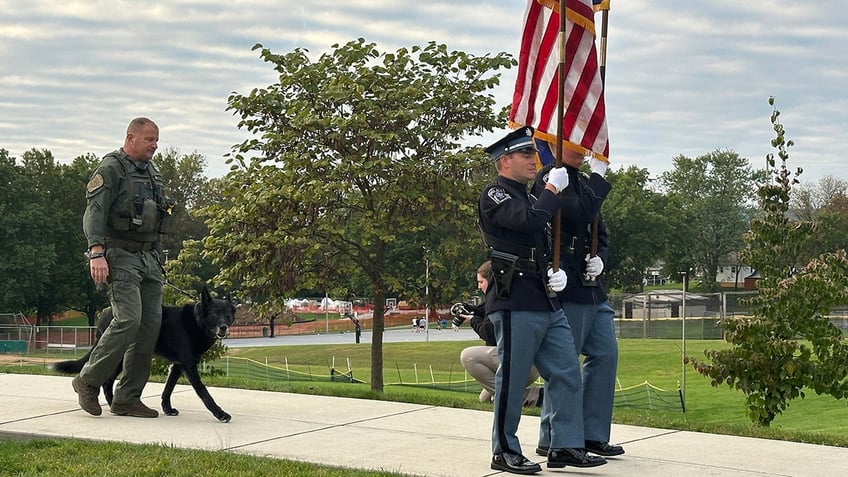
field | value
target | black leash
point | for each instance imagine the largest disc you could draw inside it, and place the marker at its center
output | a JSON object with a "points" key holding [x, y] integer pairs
{"points": [[165, 276], [193, 298]]}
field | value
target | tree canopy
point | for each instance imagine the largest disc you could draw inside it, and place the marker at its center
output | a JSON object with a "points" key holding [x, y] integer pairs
{"points": [[637, 225], [709, 211], [42, 267], [788, 344], [357, 169]]}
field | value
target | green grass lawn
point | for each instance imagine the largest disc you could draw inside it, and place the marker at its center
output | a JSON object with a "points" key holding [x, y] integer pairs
{"points": [[66, 458], [812, 419], [815, 419]]}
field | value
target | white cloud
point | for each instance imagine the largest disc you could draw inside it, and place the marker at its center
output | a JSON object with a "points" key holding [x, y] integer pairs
{"points": [[682, 77]]}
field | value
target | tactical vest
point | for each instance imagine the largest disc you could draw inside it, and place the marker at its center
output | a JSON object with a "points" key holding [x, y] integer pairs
{"points": [[139, 207]]}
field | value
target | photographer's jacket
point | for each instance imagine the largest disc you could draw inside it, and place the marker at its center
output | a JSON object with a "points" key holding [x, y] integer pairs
{"points": [[482, 326]]}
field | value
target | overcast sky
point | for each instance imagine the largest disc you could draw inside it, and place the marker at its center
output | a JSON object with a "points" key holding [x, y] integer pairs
{"points": [[683, 77]]}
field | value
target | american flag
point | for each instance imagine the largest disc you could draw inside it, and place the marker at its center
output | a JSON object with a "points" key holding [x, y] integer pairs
{"points": [[534, 100]]}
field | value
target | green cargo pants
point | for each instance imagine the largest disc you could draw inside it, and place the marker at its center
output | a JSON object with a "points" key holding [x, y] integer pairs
{"points": [[135, 291]]}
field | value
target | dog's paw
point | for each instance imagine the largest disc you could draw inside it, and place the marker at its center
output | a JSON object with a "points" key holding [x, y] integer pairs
{"points": [[224, 417]]}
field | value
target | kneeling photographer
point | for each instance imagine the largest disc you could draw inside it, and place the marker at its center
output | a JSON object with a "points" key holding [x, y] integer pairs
{"points": [[481, 362]]}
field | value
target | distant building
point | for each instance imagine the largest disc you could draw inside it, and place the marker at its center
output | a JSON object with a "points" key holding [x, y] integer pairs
{"points": [[663, 304], [654, 275], [733, 276], [751, 280], [727, 276]]}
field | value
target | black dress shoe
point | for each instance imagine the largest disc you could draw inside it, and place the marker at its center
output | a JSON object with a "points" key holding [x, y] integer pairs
{"points": [[542, 451], [603, 448], [558, 458], [516, 464]]}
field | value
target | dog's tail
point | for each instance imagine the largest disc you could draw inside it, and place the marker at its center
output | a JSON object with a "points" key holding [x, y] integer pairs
{"points": [[73, 366]]}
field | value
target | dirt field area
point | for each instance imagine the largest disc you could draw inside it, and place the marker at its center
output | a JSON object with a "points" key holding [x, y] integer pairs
{"points": [[24, 360]]}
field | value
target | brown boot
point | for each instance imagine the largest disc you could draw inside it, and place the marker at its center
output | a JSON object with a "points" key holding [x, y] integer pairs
{"points": [[134, 409], [88, 396]]}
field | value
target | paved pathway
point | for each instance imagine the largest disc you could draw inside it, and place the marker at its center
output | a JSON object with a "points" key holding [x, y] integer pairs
{"points": [[418, 440]]}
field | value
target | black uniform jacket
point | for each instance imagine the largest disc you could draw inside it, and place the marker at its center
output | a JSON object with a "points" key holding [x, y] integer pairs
{"points": [[507, 212], [482, 326], [580, 203]]}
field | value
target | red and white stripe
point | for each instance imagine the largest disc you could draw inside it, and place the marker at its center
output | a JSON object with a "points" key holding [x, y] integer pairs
{"points": [[534, 100]]}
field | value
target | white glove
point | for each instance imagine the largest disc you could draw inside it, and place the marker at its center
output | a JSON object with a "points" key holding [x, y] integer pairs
{"points": [[598, 166], [558, 177], [594, 266], [557, 280]]}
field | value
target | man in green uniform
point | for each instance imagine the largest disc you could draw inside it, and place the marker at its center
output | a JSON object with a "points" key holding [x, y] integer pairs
{"points": [[123, 222]]}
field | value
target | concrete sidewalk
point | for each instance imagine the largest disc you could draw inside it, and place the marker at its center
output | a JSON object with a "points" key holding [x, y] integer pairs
{"points": [[407, 438]]}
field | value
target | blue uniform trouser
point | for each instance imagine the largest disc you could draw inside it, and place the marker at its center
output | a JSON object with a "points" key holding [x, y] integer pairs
{"points": [[542, 338], [594, 338]]}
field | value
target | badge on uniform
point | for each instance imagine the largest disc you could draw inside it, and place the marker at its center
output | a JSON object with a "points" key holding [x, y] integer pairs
{"points": [[95, 183], [498, 195]]}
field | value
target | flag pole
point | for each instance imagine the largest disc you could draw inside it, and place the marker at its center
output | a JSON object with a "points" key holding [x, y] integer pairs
{"points": [[560, 109], [603, 69], [603, 59]]}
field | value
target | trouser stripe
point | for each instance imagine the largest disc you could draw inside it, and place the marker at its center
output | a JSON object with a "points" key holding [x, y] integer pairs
{"points": [[503, 395]]}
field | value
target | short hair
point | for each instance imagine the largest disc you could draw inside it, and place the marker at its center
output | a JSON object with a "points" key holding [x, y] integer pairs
{"points": [[137, 123], [498, 164]]}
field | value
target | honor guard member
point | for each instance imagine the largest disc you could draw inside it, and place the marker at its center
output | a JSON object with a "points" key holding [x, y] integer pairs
{"points": [[530, 327], [123, 221], [481, 362], [584, 301]]}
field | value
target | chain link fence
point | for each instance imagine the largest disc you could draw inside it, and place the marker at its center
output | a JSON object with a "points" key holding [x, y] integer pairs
{"points": [[15, 333], [654, 314], [666, 313]]}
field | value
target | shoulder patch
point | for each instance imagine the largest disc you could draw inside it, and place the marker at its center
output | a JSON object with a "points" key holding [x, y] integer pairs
{"points": [[498, 195], [95, 183]]}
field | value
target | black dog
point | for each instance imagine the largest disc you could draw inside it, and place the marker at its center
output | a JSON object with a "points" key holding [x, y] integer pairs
{"points": [[186, 333]]}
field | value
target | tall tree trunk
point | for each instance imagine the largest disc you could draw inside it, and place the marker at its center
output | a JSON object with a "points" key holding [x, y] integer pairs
{"points": [[379, 324]]}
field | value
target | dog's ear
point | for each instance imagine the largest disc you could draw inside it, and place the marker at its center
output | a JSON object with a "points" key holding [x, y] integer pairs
{"points": [[205, 297]]}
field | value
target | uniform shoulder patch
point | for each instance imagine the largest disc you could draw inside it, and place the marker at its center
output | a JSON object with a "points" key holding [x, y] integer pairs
{"points": [[498, 195], [95, 183]]}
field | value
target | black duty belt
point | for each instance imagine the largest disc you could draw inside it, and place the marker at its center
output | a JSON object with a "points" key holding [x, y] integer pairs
{"points": [[525, 265], [569, 243], [129, 245], [521, 251]]}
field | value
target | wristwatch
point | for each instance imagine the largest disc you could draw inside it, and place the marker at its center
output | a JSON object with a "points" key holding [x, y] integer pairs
{"points": [[92, 255]]}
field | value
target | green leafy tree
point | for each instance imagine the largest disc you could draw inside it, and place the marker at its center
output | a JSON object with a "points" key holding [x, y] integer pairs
{"points": [[185, 182], [788, 344], [71, 281], [33, 205], [353, 150], [708, 211], [23, 259], [187, 270], [636, 223], [45, 240], [83, 296], [188, 274], [826, 203]]}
